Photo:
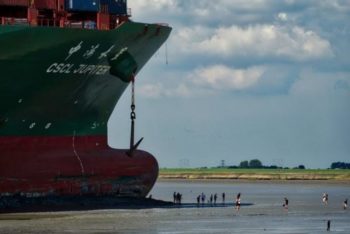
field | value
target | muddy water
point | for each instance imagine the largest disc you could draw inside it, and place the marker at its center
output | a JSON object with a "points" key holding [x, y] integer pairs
{"points": [[306, 214]]}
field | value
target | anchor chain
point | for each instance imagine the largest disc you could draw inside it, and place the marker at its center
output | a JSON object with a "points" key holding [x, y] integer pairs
{"points": [[132, 114]]}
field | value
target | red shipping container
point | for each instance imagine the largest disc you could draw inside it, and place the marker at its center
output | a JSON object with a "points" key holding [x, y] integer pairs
{"points": [[61, 5], [15, 2], [46, 4]]}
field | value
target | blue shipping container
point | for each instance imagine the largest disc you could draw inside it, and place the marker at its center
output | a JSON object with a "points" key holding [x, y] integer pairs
{"points": [[83, 5], [116, 7]]}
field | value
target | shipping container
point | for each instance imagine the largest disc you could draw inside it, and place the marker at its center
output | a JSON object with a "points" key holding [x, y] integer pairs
{"points": [[115, 7], [46, 4], [82, 5], [15, 2]]}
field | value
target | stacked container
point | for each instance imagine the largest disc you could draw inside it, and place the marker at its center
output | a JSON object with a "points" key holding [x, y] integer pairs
{"points": [[15, 2], [83, 5], [46, 4], [115, 7]]}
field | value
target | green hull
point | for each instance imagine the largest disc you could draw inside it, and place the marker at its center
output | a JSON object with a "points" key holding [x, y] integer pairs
{"points": [[61, 82]]}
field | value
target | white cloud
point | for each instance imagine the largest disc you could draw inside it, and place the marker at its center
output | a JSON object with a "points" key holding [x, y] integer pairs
{"points": [[203, 81], [153, 5], [147, 9], [293, 43], [150, 90], [159, 90], [282, 16], [220, 77]]}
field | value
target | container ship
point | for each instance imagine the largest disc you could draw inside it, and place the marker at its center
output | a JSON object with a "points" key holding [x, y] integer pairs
{"points": [[64, 65]]}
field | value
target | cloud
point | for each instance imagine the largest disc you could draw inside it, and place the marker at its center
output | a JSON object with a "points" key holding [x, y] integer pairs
{"points": [[220, 77], [154, 5], [264, 41], [282, 16], [158, 90], [150, 90]]}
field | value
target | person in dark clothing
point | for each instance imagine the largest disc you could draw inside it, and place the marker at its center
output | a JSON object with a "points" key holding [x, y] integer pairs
{"points": [[215, 198], [285, 204], [238, 201], [328, 225], [223, 197], [345, 204], [174, 197], [198, 200], [203, 198], [178, 198]]}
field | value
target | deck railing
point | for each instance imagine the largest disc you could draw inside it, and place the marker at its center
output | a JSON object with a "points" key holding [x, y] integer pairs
{"points": [[13, 21], [49, 23]]}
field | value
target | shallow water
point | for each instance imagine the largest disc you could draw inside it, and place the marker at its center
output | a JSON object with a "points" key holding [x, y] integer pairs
{"points": [[306, 212]]}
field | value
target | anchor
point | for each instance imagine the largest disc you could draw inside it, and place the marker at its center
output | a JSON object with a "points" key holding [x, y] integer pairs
{"points": [[133, 146]]}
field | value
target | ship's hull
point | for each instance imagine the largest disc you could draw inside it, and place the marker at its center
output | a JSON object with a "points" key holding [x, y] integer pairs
{"points": [[85, 165], [58, 88], [60, 81]]}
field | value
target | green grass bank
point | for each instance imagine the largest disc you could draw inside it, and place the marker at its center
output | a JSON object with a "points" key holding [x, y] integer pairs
{"points": [[254, 174]]}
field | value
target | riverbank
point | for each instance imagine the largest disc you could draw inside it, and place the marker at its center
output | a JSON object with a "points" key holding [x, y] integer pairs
{"points": [[255, 174]]}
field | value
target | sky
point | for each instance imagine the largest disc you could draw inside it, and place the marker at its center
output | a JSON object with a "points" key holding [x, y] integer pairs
{"points": [[239, 80]]}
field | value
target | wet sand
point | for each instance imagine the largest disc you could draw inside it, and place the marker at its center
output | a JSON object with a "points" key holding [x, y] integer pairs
{"points": [[306, 212]]}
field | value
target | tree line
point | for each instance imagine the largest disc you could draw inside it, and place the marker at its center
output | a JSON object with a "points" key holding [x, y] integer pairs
{"points": [[340, 165], [257, 164]]}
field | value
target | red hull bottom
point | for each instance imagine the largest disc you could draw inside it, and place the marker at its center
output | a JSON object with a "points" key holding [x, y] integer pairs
{"points": [[34, 167]]}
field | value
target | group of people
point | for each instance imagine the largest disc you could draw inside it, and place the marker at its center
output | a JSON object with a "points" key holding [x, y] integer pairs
{"points": [[177, 197], [325, 201], [201, 198]]}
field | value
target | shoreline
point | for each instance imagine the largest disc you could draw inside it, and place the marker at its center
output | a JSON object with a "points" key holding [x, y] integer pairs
{"points": [[255, 175], [252, 181]]}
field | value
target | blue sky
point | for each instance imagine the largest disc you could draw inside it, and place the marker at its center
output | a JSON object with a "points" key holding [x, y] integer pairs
{"points": [[245, 79]]}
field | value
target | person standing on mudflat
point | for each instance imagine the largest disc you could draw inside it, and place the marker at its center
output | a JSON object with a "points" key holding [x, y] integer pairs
{"points": [[285, 204], [325, 198], [345, 204], [238, 201]]}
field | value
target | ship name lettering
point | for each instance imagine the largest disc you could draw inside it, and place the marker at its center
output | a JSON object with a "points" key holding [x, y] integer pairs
{"points": [[78, 70], [102, 70], [92, 69], [60, 68], [82, 69]]}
